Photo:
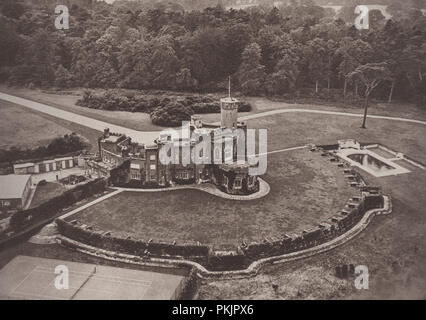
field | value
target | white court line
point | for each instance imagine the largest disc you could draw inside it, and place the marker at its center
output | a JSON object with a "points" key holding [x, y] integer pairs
{"points": [[87, 205], [22, 281]]}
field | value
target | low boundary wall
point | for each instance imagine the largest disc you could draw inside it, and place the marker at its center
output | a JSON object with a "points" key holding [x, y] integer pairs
{"points": [[239, 259], [251, 270]]}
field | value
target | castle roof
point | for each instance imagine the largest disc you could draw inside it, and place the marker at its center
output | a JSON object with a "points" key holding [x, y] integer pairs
{"points": [[229, 100], [234, 167]]}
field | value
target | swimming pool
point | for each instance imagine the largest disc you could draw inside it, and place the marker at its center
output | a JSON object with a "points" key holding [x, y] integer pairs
{"points": [[371, 162]]}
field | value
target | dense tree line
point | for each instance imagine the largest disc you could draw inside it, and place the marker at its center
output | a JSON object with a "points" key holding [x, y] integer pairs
{"points": [[266, 50]]}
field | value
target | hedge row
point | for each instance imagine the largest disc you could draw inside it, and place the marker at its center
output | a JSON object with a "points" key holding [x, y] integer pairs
{"points": [[51, 207], [234, 261], [116, 100], [98, 239], [165, 110], [189, 286], [173, 113], [58, 147]]}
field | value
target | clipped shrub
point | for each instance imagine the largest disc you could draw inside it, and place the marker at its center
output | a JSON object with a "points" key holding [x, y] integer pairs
{"points": [[165, 110], [171, 115]]}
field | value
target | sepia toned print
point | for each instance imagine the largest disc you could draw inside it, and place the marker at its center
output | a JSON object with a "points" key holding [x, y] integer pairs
{"points": [[212, 150]]}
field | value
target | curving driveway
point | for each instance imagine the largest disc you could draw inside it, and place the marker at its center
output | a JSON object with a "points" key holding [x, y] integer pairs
{"points": [[147, 137]]}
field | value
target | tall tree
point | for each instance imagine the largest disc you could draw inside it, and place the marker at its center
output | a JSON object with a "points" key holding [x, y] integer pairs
{"points": [[284, 77], [389, 44], [371, 75], [352, 53], [251, 73], [317, 53], [414, 62], [10, 44]]}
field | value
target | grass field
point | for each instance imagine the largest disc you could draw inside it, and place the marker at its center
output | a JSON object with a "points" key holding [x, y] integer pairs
{"points": [[141, 121], [305, 189], [20, 127], [67, 101], [136, 120], [393, 247], [295, 129], [26, 128]]}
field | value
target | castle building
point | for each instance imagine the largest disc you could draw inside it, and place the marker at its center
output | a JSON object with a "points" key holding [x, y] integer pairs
{"points": [[229, 113], [129, 163]]}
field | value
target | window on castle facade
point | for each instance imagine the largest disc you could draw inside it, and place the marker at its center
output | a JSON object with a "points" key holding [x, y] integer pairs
{"points": [[136, 176], [251, 180], [238, 183], [217, 155], [228, 154], [182, 175], [225, 181]]}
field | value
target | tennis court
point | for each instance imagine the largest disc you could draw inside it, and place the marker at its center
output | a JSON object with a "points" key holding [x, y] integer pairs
{"points": [[34, 278]]}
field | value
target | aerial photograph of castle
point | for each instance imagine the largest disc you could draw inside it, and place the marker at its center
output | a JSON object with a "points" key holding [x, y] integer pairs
{"points": [[212, 150]]}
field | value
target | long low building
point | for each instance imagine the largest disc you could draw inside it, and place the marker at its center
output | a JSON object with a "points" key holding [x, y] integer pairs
{"points": [[14, 191], [45, 166]]}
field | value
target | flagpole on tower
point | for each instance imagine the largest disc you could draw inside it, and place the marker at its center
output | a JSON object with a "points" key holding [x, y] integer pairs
{"points": [[229, 86]]}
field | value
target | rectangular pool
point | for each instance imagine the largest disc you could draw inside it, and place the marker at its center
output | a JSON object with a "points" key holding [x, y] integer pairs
{"points": [[370, 162]]}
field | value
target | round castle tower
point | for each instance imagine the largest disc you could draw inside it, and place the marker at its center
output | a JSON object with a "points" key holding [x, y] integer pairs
{"points": [[229, 113]]}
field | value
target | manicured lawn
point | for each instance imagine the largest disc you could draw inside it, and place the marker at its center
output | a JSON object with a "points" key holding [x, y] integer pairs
{"points": [[20, 127], [67, 101], [141, 121], [26, 128], [305, 190], [134, 120], [396, 109], [295, 129], [392, 247]]}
